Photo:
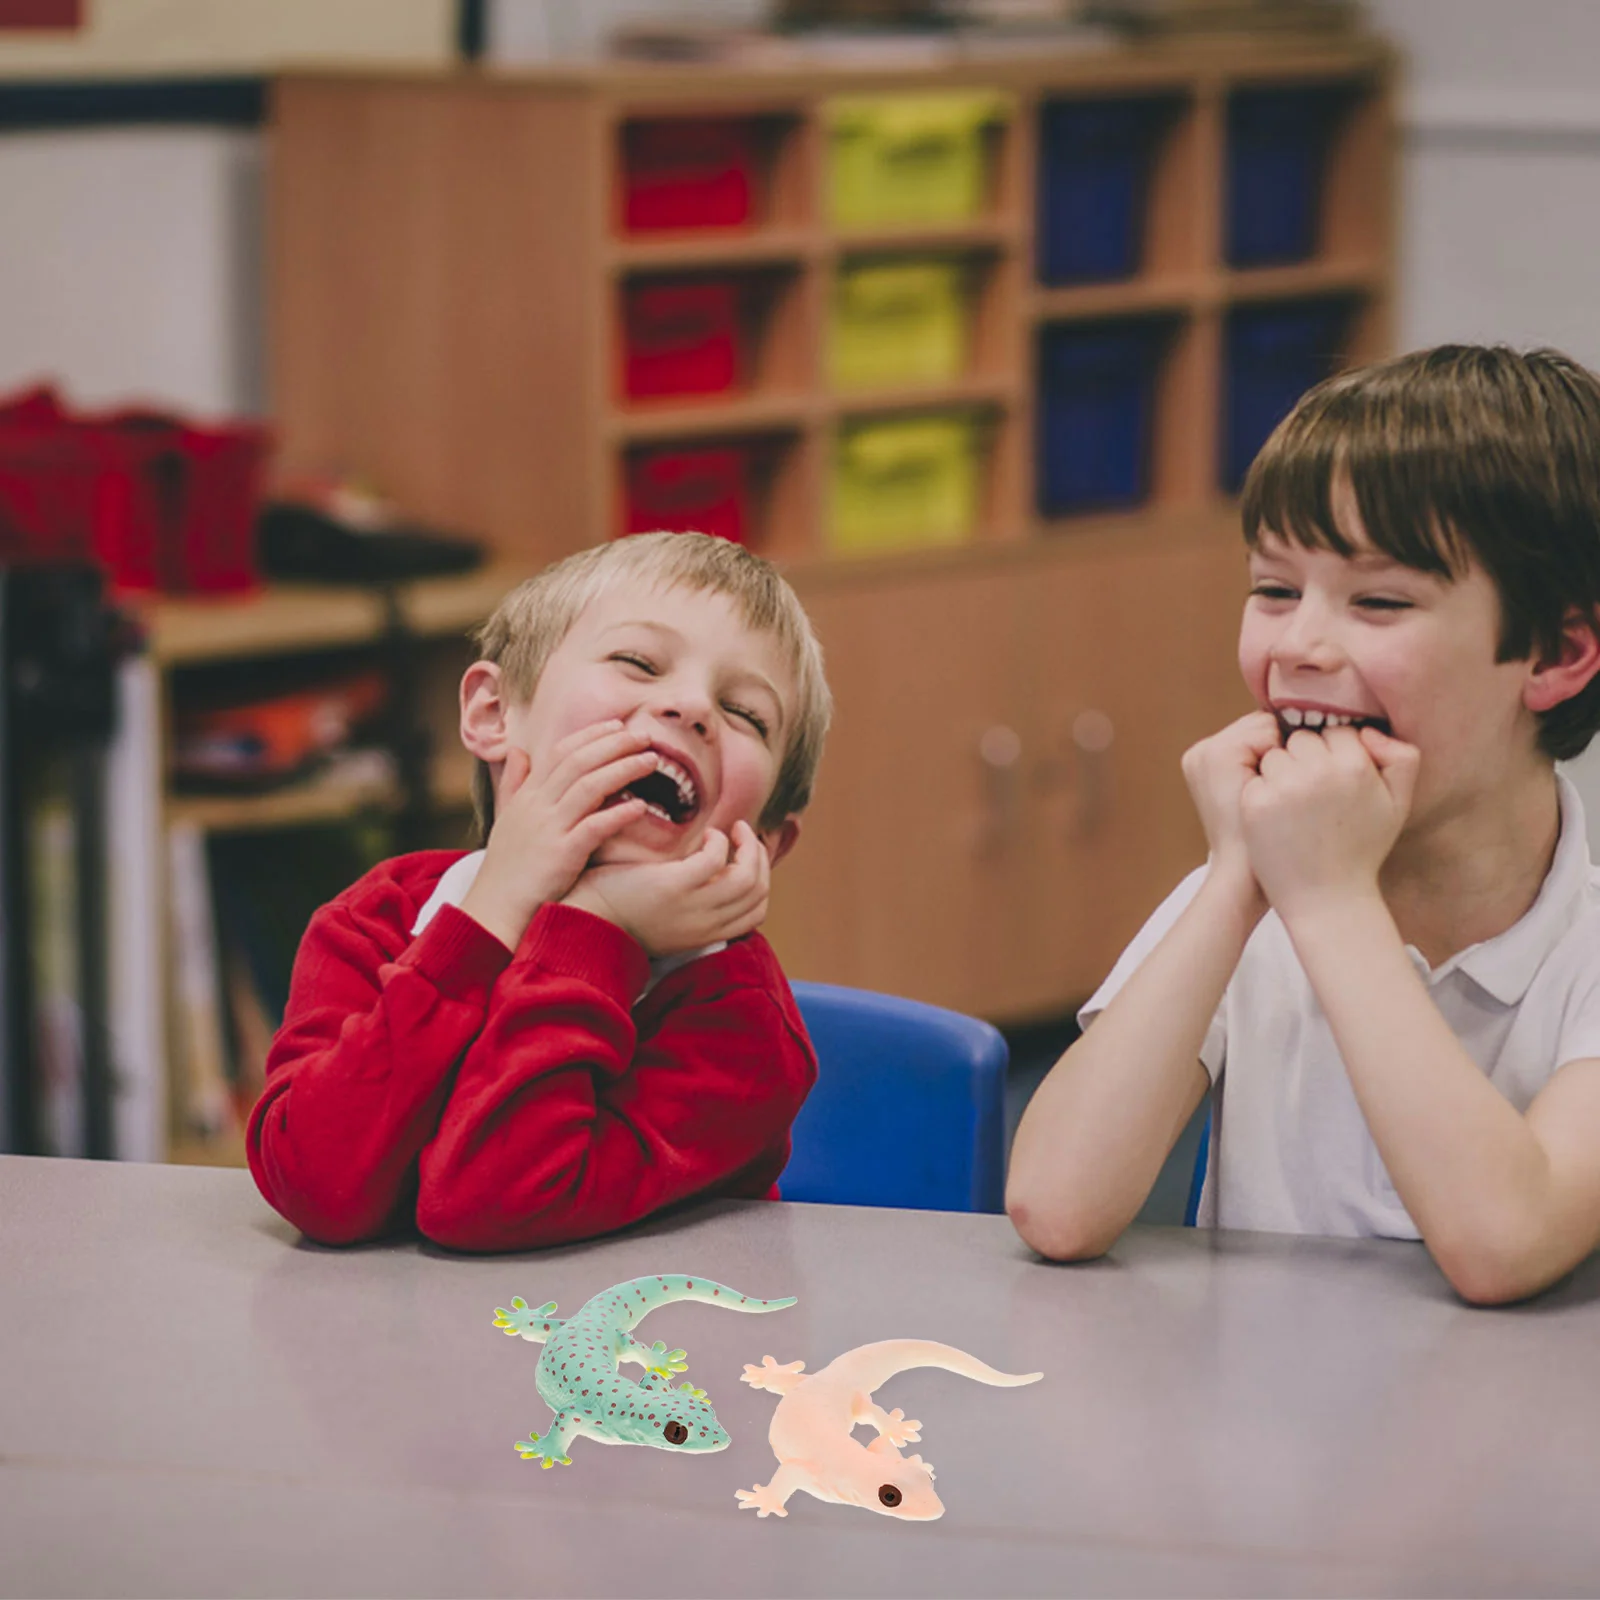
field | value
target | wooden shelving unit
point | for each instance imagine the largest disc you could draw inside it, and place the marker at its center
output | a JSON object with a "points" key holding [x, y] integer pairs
{"points": [[491, 203], [448, 274]]}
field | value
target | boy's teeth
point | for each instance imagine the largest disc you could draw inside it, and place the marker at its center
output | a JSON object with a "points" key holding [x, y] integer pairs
{"points": [[1296, 718], [666, 765]]}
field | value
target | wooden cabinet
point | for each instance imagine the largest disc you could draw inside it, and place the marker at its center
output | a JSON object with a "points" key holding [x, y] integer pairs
{"points": [[1001, 802], [905, 878]]}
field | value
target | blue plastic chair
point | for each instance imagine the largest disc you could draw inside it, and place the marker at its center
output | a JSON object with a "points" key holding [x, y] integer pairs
{"points": [[1198, 1181], [908, 1108]]}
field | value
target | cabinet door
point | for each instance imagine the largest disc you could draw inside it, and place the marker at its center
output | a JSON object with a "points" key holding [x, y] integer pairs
{"points": [[911, 865], [1133, 660]]}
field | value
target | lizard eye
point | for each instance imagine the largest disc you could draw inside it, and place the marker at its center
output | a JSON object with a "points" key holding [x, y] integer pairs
{"points": [[675, 1433], [890, 1495]]}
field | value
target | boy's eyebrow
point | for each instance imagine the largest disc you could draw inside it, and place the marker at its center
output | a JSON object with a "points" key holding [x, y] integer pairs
{"points": [[1368, 560], [643, 622]]}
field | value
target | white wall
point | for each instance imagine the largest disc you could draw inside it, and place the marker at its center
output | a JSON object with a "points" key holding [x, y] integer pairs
{"points": [[131, 267]]}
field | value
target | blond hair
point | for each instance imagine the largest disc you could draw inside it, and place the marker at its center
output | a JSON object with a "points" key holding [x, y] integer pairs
{"points": [[532, 620]]}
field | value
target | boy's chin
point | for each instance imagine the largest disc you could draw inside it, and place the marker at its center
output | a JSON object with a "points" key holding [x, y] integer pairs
{"points": [[649, 840]]}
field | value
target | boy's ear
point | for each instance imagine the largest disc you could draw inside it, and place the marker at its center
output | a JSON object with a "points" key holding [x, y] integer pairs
{"points": [[483, 711], [780, 840], [1555, 681]]}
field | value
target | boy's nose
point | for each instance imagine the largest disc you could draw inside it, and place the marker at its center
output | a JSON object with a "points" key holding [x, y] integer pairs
{"points": [[690, 713], [1307, 640]]}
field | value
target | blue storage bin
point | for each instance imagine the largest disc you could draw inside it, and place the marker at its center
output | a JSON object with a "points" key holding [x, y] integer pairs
{"points": [[1096, 412], [1277, 149], [1273, 354], [1094, 167]]}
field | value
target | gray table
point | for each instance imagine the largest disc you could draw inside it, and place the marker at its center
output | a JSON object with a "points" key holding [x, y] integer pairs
{"points": [[192, 1402]]}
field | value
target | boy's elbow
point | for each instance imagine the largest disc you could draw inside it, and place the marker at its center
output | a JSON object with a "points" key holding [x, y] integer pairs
{"points": [[1496, 1272], [1488, 1283], [1057, 1233], [444, 1221]]}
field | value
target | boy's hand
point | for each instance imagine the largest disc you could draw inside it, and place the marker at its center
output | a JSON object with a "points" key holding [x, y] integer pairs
{"points": [[719, 892], [1325, 812], [546, 828], [1217, 771]]}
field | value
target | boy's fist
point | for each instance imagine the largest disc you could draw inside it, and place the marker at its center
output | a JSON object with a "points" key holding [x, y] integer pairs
{"points": [[1324, 813], [547, 825], [1217, 770], [718, 893]]}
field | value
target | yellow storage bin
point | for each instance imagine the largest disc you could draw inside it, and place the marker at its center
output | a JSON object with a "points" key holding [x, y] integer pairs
{"points": [[899, 160], [906, 481], [898, 322]]}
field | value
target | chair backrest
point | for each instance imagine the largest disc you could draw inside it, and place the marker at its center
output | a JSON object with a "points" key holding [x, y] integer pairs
{"points": [[1197, 1180], [908, 1109]]}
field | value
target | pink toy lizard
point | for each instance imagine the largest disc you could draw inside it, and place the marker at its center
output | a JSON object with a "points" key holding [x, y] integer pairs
{"points": [[810, 1433]]}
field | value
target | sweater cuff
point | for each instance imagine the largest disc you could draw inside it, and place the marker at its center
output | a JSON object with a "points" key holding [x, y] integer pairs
{"points": [[578, 944], [457, 955]]}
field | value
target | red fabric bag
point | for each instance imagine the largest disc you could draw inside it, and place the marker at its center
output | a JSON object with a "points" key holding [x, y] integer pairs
{"points": [[690, 491], [161, 504], [688, 172], [62, 497], [682, 338]]}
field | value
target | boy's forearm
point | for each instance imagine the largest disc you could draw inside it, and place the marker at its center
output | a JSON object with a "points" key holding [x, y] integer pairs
{"points": [[1463, 1160], [1093, 1139]]}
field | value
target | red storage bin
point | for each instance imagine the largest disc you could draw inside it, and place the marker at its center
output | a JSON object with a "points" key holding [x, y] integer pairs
{"points": [[194, 495], [681, 338], [159, 503], [702, 490], [688, 172], [61, 498]]}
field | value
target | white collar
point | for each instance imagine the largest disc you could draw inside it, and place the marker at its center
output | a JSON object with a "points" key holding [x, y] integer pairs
{"points": [[460, 876], [1505, 965]]}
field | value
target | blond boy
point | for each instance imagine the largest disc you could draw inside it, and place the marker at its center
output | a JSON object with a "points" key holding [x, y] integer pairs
{"points": [[578, 1024]]}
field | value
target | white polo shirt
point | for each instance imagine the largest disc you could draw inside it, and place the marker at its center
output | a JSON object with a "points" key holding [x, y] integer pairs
{"points": [[1290, 1151]]}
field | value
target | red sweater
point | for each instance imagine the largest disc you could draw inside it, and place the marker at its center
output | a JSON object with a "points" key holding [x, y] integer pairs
{"points": [[510, 1100]]}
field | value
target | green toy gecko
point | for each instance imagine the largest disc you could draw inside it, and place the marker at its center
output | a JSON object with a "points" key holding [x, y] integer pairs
{"points": [[578, 1377]]}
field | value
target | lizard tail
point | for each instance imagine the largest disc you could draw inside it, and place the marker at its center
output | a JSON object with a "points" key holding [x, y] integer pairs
{"points": [[645, 1294], [872, 1364]]}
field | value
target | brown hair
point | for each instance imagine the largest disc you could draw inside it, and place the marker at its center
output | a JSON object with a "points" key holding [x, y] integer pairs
{"points": [[531, 621], [1457, 454]]}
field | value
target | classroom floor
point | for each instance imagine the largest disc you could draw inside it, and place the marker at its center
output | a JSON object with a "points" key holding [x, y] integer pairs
{"points": [[1034, 1050]]}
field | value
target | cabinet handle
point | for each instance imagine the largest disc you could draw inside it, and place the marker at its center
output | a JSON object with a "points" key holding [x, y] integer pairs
{"points": [[1000, 758], [1093, 734]]}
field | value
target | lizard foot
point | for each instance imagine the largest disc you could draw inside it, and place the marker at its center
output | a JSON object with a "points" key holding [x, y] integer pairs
{"points": [[771, 1376], [762, 1500], [664, 1362], [522, 1319], [900, 1429], [538, 1448]]}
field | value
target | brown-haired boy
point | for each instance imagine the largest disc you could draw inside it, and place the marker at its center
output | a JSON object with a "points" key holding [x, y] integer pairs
{"points": [[1389, 966], [577, 1025]]}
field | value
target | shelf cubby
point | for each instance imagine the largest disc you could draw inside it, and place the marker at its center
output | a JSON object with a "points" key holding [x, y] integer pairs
{"points": [[1272, 351], [673, 166], [749, 486], [1306, 172], [762, 332], [1118, 188]]}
